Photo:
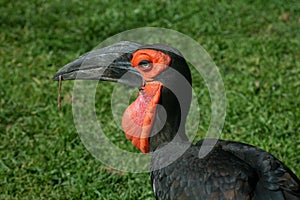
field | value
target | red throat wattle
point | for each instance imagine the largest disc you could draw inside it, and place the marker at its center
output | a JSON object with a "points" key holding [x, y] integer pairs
{"points": [[138, 118]]}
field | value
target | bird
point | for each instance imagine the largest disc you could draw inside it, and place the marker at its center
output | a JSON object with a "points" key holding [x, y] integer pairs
{"points": [[155, 124]]}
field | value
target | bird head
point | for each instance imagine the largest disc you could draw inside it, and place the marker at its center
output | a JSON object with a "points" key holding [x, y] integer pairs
{"points": [[164, 81]]}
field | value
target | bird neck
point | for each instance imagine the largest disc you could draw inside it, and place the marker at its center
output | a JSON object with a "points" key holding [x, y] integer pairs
{"points": [[170, 119]]}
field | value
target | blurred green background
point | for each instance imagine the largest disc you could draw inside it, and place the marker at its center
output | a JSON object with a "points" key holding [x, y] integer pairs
{"points": [[255, 44]]}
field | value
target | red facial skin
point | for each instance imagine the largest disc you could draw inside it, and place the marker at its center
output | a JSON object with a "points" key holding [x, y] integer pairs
{"points": [[160, 61], [138, 118]]}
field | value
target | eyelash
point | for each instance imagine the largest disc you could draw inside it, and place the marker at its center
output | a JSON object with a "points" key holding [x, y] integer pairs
{"points": [[145, 64]]}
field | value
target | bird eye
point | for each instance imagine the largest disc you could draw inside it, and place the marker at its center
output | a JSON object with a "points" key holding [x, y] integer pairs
{"points": [[145, 64]]}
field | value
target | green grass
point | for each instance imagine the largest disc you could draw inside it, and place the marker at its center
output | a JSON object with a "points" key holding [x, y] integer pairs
{"points": [[254, 45]]}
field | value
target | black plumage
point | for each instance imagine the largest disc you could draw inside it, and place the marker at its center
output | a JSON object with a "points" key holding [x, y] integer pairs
{"points": [[230, 171]]}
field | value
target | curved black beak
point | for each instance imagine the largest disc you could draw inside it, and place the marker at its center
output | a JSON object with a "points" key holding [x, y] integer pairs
{"points": [[111, 63]]}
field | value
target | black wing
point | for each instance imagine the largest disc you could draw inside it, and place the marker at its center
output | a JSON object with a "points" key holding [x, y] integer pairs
{"points": [[276, 181]]}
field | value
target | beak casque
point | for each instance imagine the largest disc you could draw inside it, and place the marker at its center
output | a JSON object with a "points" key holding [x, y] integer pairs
{"points": [[111, 63]]}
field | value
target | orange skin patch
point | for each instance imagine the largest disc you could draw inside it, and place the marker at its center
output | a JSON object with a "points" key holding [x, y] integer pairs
{"points": [[160, 61], [138, 118]]}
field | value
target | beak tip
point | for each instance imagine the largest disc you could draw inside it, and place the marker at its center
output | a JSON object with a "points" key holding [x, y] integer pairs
{"points": [[55, 78], [58, 76]]}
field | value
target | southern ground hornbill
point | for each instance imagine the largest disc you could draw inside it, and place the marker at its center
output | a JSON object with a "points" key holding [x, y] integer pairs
{"points": [[231, 170]]}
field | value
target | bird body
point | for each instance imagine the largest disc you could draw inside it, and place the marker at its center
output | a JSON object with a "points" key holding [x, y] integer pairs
{"points": [[156, 120], [230, 171]]}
